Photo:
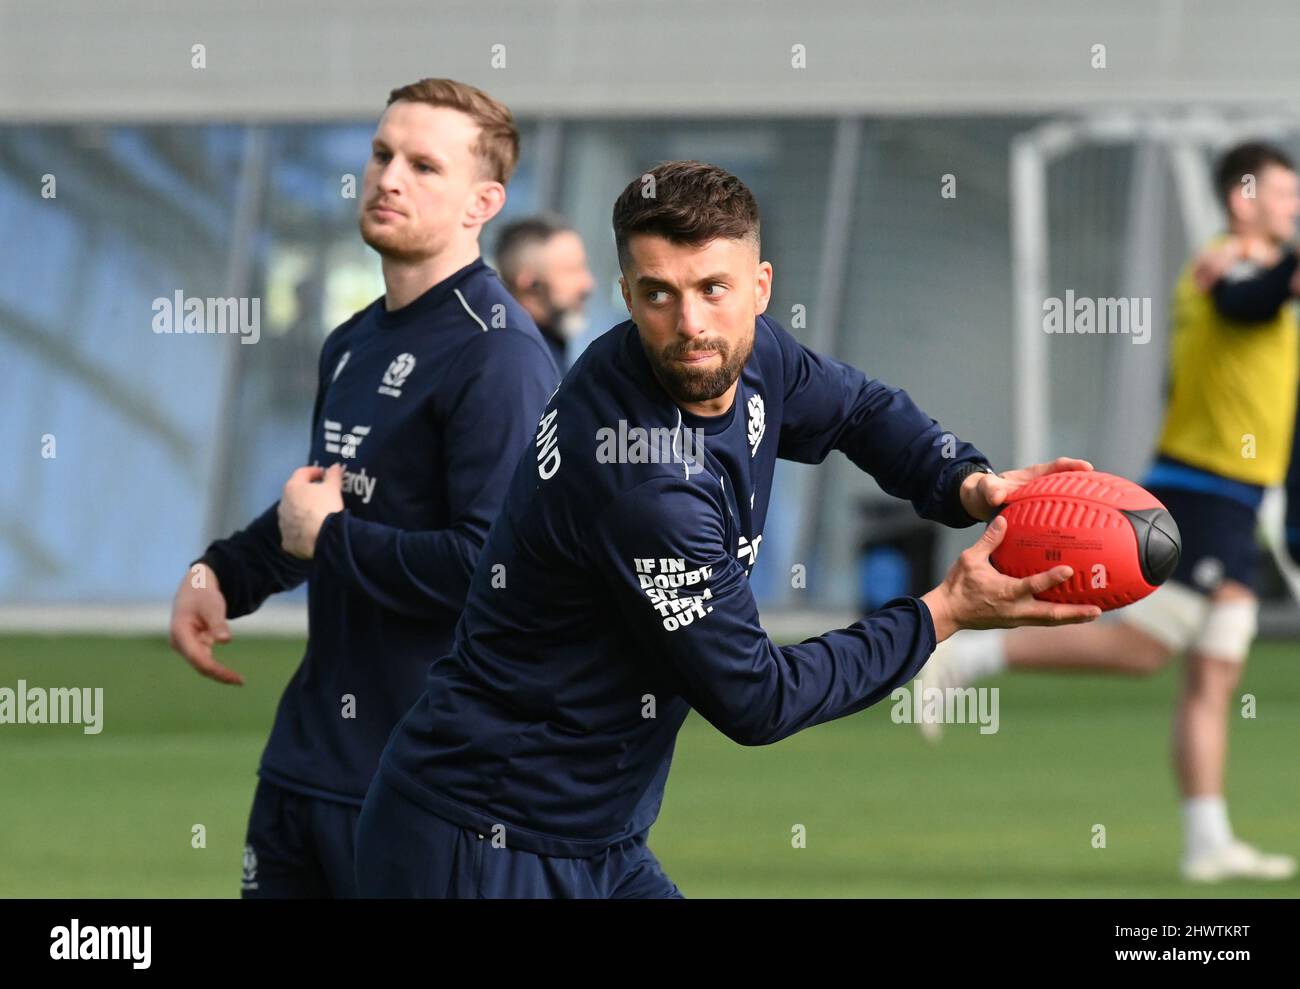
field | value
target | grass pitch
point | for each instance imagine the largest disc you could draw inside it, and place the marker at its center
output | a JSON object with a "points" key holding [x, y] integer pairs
{"points": [[883, 813]]}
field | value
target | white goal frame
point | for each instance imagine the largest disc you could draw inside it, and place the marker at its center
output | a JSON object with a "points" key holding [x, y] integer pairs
{"points": [[1183, 138]]}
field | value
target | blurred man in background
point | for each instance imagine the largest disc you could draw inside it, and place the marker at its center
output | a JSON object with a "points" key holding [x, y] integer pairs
{"points": [[425, 400], [1227, 437], [543, 264]]}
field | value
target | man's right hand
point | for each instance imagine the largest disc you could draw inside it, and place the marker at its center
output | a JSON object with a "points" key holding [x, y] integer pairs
{"points": [[199, 621], [1216, 261], [975, 595]]}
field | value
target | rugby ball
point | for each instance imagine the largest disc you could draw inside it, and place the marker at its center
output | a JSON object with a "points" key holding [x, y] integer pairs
{"points": [[1120, 540]]}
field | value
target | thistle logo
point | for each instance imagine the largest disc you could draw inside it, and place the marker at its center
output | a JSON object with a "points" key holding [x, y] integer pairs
{"points": [[757, 422], [396, 375], [344, 444], [250, 867]]}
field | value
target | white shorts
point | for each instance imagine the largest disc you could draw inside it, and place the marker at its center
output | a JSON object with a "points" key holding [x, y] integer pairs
{"points": [[1184, 619]]}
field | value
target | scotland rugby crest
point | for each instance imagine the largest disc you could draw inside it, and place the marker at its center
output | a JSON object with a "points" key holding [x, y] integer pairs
{"points": [[757, 422]]}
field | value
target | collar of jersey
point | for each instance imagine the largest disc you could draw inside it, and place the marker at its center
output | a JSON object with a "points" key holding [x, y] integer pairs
{"points": [[425, 304]]}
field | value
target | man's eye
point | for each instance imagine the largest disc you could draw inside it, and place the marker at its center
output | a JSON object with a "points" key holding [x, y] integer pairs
{"points": [[426, 169], [382, 156], [714, 285], [654, 293]]}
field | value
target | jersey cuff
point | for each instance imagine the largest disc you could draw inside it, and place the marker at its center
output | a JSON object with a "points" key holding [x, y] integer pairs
{"points": [[959, 473]]}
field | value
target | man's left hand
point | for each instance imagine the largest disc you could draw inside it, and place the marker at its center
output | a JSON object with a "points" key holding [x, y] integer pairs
{"points": [[310, 495], [983, 494]]}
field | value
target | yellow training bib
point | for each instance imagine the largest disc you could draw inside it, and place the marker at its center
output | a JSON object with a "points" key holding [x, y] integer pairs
{"points": [[1233, 399]]}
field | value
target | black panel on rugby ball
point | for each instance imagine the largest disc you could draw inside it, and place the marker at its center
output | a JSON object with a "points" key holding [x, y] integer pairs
{"points": [[1159, 544]]}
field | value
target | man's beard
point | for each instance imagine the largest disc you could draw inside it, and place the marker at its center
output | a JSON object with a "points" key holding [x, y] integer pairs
{"points": [[393, 244], [689, 384], [571, 323], [562, 322]]}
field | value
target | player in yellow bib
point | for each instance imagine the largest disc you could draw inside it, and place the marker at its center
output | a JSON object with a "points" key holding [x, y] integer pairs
{"points": [[1227, 435], [1232, 403]]}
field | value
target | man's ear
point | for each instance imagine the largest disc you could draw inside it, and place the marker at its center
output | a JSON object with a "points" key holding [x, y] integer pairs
{"points": [[627, 296], [486, 200], [762, 287]]}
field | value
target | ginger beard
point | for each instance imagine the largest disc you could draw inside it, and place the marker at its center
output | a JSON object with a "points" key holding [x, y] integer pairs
{"points": [[398, 238], [703, 383]]}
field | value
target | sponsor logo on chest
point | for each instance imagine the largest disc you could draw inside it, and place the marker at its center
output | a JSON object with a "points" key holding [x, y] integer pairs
{"points": [[345, 444]]}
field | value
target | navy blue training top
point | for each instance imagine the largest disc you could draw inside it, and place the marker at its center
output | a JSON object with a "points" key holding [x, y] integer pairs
{"points": [[427, 407], [613, 595]]}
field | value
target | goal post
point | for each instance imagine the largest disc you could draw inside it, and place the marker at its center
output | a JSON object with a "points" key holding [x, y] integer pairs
{"points": [[1160, 166]]}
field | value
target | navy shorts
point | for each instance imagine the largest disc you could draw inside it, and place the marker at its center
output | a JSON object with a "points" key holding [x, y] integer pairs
{"points": [[299, 847], [406, 851], [1218, 536]]}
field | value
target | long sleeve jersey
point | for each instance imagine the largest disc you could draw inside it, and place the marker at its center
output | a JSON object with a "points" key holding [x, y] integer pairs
{"points": [[613, 594], [427, 408]]}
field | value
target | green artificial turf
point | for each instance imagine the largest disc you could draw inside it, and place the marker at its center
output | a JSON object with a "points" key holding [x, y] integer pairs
{"points": [[883, 813]]}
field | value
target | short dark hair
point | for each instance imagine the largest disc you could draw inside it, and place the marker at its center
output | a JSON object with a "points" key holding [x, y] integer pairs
{"points": [[1246, 159], [685, 202], [518, 237]]}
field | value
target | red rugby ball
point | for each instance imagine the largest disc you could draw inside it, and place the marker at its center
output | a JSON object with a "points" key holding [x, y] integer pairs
{"points": [[1121, 542]]}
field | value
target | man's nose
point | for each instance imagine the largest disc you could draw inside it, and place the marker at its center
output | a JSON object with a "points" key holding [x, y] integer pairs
{"points": [[690, 321], [388, 178]]}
